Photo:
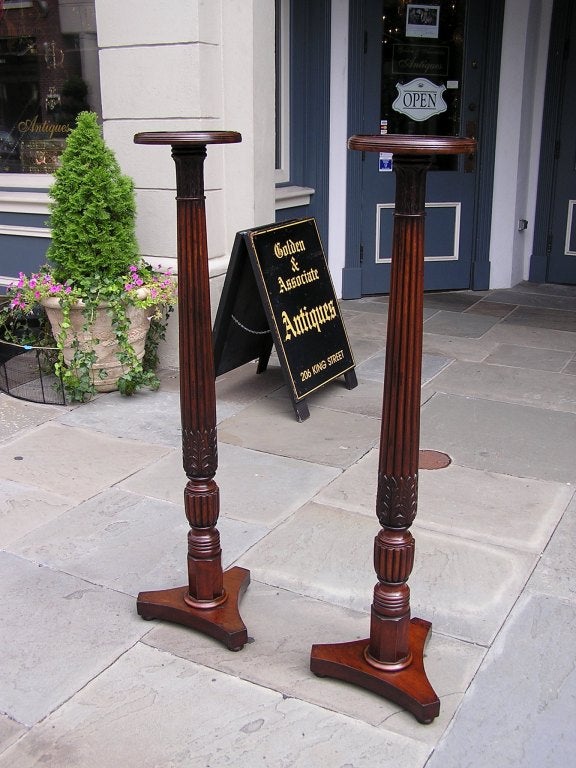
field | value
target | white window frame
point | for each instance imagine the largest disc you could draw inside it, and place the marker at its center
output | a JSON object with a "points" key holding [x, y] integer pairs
{"points": [[282, 173]]}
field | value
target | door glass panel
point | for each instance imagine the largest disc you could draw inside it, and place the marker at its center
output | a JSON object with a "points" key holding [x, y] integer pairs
{"points": [[422, 56]]}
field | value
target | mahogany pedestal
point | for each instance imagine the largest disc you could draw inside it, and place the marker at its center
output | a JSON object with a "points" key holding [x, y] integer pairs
{"points": [[209, 603], [390, 662]]}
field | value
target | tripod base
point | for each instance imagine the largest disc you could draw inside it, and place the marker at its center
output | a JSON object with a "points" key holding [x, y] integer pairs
{"points": [[408, 687], [221, 622]]}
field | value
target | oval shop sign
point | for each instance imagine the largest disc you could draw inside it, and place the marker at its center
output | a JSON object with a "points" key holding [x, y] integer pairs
{"points": [[420, 99]]}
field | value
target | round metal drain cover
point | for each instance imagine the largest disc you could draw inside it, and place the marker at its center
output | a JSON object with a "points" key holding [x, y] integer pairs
{"points": [[433, 460]]}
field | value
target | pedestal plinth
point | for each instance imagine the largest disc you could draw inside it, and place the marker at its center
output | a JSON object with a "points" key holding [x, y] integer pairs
{"points": [[209, 603], [390, 662]]}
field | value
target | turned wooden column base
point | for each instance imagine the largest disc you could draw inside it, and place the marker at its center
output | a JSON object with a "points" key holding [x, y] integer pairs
{"points": [[221, 622], [408, 687]]}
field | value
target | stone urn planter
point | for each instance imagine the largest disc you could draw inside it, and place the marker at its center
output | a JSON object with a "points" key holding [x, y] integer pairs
{"points": [[100, 338]]}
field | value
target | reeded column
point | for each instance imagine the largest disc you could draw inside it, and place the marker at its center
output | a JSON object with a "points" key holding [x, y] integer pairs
{"points": [[209, 602], [397, 495], [390, 661]]}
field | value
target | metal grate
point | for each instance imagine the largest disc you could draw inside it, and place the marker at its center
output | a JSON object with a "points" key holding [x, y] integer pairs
{"points": [[27, 372]]}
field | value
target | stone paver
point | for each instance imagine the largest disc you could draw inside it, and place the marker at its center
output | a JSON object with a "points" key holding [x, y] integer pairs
{"points": [[305, 556], [516, 356], [459, 324], [328, 437], [127, 542], [521, 386], [448, 502], [373, 369], [254, 486], [24, 507], [16, 415], [59, 633], [75, 462], [555, 574], [516, 440], [278, 658], [153, 417], [538, 668], [151, 709], [10, 731]]}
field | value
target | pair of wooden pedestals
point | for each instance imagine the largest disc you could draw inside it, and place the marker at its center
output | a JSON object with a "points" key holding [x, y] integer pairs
{"points": [[390, 661]]}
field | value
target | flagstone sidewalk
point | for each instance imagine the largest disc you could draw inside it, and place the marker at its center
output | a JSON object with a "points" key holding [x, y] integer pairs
{"points": [[91, 513]]}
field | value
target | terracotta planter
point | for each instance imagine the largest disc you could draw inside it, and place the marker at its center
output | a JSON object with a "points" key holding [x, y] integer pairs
{"points": [[107, 349]]}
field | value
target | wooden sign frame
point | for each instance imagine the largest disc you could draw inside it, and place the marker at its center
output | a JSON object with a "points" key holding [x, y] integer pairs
{"points": [[278, 292]]}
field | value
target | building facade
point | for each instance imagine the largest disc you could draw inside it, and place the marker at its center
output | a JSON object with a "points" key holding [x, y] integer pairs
{"points": [[296, 78]]}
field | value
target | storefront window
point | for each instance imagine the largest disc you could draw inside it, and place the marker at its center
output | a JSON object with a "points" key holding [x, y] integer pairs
{"points": [[48, 74]]}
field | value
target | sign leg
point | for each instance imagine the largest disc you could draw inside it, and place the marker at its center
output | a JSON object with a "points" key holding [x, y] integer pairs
{"points": [[350, 380]]}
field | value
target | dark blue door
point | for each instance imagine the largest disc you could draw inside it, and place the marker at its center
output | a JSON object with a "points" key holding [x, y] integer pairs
{"points": [[425, 71], [561, 243]]}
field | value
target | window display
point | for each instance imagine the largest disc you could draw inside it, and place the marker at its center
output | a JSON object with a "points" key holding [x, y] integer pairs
{"points": [[48, 74]]}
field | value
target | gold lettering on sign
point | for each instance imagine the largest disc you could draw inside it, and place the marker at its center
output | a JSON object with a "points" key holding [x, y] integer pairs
{"points": [[289, 248], [308, 320], [288, 284], [33, 126]]}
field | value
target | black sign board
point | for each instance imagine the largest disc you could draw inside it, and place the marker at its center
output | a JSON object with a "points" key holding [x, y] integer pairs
{"points": [[278, 291]]}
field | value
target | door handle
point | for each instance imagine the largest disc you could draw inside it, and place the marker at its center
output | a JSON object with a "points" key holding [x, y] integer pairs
{"points": [[470, 160]]}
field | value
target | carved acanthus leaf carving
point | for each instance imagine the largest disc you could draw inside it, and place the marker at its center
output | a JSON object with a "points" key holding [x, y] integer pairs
{"points": [[200, 452], [397, 500]]}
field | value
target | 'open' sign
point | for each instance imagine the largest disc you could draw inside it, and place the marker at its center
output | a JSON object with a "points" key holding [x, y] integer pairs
{"points": [[420, 99]]}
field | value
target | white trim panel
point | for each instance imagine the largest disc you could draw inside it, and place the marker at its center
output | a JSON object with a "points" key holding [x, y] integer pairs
{"points": [[567, 251], [16, 231], [456, 245], [24, 202], [26, 180]]}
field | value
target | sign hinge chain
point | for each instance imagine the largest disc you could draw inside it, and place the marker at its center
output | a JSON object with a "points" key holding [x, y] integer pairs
{"points": [[549, 244], [249, 330]]}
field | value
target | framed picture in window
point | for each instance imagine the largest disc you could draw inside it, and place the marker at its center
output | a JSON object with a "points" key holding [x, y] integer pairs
{"points": [[422, 20]]}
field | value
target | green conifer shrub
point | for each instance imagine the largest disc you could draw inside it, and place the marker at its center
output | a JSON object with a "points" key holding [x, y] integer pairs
{"points": [[93, 210]]}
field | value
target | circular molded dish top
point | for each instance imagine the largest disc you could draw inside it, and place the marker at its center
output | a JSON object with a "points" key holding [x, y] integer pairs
{"points": [[188, 137], [400, 144]]}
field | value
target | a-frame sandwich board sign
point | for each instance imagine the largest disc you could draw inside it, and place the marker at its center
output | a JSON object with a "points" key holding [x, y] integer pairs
{"points": [[278, 291]]}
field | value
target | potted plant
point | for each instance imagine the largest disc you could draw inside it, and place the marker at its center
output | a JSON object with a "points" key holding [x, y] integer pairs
{"points": [[99, 294]]}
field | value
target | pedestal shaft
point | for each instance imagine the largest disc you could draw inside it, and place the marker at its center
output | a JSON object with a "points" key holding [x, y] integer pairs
{"points": [[209, 602], [391, 661], [197, 390]]}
